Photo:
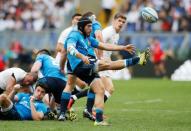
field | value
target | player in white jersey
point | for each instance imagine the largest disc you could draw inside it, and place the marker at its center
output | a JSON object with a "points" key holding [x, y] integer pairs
{"points": [[12, 76], [64, 34], [111, 35]]}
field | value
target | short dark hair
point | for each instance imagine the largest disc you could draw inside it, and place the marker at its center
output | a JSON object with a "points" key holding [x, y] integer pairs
{"points": [[76, 14], [34, 74], [44, 51], [88, 14], [120, 15]]}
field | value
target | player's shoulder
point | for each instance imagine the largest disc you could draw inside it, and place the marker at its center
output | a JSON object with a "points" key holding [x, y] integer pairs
{"points": [[74, 34], [16, 69], [96, 23], [108, 28]]}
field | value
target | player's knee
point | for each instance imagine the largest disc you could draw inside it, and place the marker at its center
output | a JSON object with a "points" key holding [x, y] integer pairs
{"points": [[3, 97], [101, 89], [82, 85], [111, 89]]}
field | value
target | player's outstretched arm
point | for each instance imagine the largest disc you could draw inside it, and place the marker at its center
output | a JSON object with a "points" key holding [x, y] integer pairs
{"points": [[112, 47]]}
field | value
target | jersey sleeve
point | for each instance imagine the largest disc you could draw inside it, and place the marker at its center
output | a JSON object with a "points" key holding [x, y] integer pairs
{"points": [[40, 58], [63, 36], [96, 26], [19, 74], [42, 108], [93, 42], [20, 96], [72, 40]]}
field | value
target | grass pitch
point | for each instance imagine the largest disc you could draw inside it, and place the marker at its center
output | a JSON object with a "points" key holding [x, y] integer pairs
{"points": [[136, 105]]}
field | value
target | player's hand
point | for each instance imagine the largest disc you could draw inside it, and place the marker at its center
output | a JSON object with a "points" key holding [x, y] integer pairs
{"points": [[129, 48], [85, 60], [17, 87], [32, 99]]}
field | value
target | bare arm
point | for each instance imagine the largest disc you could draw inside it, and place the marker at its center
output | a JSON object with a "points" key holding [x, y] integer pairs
{"points": [[99, 37], [36, 66], [10, 84], [112, 47], [63, 59], [35, 115], [13, 92]]}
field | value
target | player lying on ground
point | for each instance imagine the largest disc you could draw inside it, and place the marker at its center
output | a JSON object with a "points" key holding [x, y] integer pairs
{"points": [[23, 106]]}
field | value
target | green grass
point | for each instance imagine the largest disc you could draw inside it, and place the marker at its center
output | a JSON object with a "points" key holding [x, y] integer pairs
{"points": [[136, 105]]}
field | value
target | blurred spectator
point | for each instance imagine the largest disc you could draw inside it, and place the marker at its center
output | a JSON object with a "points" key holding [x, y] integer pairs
{"points": [[33, 14], [16, 47], [108, 6], [157, 57], [174, 15], [3, 60]]}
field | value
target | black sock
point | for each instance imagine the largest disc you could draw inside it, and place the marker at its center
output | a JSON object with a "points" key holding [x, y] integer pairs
{"points": [[132, 61], [90, 100], [75, 91], [82, 94], [105, 98]]}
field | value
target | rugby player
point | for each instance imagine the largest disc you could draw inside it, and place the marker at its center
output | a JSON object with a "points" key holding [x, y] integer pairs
{"points": [[79, 65], [23, 106], [12, 76]]}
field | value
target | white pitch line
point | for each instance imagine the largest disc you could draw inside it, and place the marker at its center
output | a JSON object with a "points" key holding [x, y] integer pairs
{"points": [[155, 110], [145, 101]]}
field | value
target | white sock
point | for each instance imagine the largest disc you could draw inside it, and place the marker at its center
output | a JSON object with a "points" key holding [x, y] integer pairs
{"points": [[79, 89], [74, 97], [107, 94]]}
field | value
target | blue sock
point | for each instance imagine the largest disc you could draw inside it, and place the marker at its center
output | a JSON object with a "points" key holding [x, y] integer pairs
{"points": [[99, 115], [90, 100], [132, 61], [64, 101]]}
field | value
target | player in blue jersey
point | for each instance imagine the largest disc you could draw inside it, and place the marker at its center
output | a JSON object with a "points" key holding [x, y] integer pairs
{"points": [[23, 106], [53, 79], [81, 66]]}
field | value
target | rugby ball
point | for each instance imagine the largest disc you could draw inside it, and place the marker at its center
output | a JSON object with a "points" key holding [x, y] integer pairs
{"points": [[149, 14]]}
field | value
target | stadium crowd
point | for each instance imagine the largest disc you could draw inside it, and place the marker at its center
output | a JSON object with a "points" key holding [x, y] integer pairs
{"points": [[174, 15], [33, 14]]}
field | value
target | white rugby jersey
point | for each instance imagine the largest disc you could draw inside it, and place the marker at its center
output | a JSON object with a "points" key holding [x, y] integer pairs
{"points": [[109, 36], [5, 75], [64, 34]]}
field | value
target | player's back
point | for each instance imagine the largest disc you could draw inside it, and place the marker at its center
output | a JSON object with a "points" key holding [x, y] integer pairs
{"points": [[50, 68]]}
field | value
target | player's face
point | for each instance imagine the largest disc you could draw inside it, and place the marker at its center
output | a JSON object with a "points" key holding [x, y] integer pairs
{"points": [[76, 19], [39, 93], [88, 29], [119, 23], [28, 80]]}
